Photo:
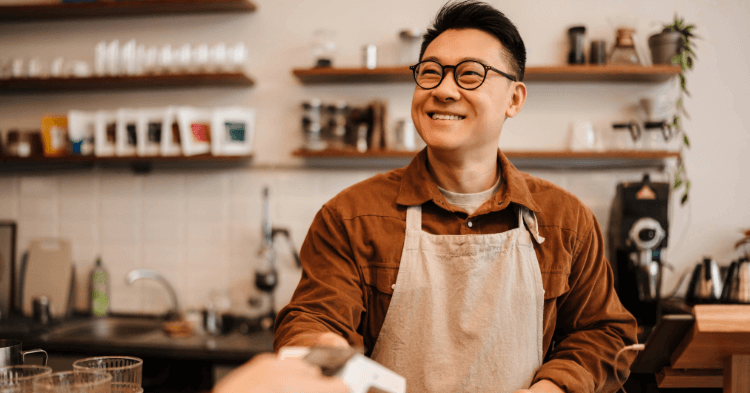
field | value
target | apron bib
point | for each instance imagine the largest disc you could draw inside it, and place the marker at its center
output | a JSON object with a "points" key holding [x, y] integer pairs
{"points": [[466, 311]]}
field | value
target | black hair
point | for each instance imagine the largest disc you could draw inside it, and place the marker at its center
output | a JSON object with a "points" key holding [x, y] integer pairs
{"points": [[473, 14]]}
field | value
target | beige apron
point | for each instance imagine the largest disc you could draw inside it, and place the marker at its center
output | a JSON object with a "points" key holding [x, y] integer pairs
{"points": [[466, 311]]}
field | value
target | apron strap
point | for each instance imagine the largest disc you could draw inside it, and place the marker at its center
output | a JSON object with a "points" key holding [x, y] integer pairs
{"points": [[527, 216], [414, 217]]}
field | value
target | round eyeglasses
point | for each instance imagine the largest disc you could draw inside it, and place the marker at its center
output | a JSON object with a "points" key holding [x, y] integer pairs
{"points": [[468, 74]]}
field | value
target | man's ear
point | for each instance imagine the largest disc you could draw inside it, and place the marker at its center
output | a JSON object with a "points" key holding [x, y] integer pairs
{"points": [[517, 100]]}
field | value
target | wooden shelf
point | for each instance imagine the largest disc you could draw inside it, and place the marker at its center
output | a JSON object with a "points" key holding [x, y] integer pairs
{"points": [[608, 73], [119, 8], [582, 73], [121, 159], [614, 154], [353, 75], [526, 159], [229, 79], [604, 155], [137, 163], [334, 153]]}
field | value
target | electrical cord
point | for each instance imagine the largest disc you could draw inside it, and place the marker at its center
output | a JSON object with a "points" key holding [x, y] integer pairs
{"points": [[634, 347]]}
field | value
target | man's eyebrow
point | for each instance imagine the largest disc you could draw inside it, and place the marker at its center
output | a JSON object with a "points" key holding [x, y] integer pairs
{"points": [[433, 58]]}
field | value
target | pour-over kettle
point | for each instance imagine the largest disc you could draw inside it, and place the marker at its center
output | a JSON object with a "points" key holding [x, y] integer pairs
{"points": [[705, 284], [737, 284]]}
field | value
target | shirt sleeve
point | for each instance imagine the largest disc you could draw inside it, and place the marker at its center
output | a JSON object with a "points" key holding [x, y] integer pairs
{"points": [[329, 296], [592, 325]]}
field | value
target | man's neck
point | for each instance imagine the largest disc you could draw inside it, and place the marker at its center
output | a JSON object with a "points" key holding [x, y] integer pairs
{"points": [[461, 174]]}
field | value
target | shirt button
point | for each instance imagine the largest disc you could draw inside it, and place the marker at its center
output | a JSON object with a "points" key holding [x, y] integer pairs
{"points": [[470, 224], [393, 287]]}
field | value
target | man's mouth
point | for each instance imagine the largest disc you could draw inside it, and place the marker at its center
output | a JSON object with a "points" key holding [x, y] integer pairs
{"points": [[439, 116]]}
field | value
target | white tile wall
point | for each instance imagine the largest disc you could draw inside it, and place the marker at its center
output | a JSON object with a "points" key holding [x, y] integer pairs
{"points": [[201, 229]]}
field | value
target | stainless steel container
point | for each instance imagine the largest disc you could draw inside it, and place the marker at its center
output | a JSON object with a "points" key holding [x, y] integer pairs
{"points": [[12, 354], [737, 284], [705, 284]]}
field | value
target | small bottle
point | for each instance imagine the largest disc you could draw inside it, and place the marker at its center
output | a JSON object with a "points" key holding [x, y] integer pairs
{"points": [[99, 289]]}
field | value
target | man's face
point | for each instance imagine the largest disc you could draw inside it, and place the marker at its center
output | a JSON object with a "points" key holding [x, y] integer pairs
{"points": [[481, 112]]}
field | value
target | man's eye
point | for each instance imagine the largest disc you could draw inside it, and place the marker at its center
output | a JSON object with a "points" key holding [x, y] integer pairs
{"points": [[433, 72]]}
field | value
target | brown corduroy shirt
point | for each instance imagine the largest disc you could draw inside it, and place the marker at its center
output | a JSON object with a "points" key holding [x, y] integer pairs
{"points": [[352, 252]]}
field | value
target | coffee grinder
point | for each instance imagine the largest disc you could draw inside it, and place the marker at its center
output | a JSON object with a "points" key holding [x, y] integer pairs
{"points": [[638, 233]]}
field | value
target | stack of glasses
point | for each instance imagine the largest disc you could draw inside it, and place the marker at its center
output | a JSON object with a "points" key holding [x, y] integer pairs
{"points": [[108, 374]]}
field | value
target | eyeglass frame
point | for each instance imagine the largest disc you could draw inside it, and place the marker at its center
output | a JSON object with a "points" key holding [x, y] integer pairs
{"points": [[455, 78]]}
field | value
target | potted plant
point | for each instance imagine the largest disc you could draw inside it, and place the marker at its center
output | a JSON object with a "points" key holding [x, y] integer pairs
{"points": [[674, 45]]}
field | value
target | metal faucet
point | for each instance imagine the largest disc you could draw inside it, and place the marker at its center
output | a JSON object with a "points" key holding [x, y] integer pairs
{"points": [[266, 277], [138, 274]]}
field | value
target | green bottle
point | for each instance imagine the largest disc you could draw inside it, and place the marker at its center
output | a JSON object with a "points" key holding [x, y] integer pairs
{"points": [[99, 289]]}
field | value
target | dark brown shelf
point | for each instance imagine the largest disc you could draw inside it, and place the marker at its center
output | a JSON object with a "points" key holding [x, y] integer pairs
{"points": [[335, 153], [583, 73], [119, 8], [229, 79], [606, 73], [603, 155], [526, 159], [121, 159], [136, 163], [612, 154], [353, 75]]}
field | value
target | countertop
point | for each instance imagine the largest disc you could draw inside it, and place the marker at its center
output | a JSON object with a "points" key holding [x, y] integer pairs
{"points": [[230, 348]]}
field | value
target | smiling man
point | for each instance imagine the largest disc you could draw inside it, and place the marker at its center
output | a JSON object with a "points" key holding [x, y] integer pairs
{"points": [[460, 272]]}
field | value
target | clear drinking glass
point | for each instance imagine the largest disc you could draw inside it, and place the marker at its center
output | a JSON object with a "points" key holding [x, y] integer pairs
{"points": [[126, 371], [78, 381], [19, 379]]}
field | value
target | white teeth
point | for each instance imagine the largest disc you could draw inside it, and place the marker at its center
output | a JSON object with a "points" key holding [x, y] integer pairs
{"points": [[437, 116]]}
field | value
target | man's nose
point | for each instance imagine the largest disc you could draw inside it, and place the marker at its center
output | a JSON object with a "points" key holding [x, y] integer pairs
{"points": [[447, 89]]}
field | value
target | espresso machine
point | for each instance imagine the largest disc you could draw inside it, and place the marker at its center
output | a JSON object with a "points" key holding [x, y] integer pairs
{"points": [[638, 232]]}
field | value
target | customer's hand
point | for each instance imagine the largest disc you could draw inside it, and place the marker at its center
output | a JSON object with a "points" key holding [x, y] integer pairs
{"points": [[267, 373]]}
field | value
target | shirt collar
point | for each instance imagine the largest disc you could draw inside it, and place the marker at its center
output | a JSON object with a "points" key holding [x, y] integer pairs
{"points": [[418, 186]]}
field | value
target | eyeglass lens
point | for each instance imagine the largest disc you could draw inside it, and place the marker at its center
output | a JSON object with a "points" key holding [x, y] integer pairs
{"points": [[468, 74]]}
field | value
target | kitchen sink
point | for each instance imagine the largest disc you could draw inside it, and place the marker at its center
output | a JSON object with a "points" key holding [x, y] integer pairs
{"points": [[107, 328]]}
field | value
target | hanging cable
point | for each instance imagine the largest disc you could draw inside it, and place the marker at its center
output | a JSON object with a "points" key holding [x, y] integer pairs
{"points": [[634, 347]]}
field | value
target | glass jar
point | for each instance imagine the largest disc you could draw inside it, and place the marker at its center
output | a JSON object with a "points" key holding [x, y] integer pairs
{"points": [[312, 125], [624, 52], [323, 47]]}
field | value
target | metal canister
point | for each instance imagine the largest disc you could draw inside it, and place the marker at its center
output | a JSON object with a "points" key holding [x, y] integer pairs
{"points": [[41, 308]]}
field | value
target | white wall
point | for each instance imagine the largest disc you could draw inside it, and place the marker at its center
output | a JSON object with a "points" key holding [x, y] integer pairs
{"points": [[201, 226]]}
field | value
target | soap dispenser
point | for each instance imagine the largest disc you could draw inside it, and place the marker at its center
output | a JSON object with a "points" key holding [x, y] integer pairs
{"points": [[99, 289]]}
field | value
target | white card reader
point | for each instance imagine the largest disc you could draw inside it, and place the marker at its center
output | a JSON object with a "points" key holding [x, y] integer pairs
{"points": [[359, 372]]}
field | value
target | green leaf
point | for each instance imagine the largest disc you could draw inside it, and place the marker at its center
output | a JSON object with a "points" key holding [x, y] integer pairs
{"points": [[684, 199], [689, 27], [676, 59], [677, 183], [676, 121], [679, 103], [687, 186], [686, 140]]}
